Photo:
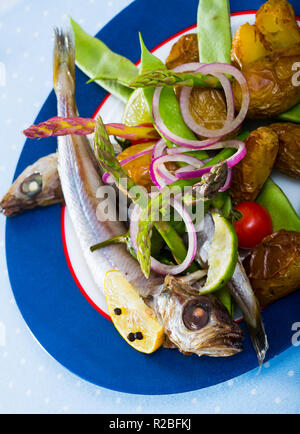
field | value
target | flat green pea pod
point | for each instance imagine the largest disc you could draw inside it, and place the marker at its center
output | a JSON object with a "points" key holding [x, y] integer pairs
{"points": [[169, 107], [96, 60], [292, 115], [281, 210], [214, 31]]}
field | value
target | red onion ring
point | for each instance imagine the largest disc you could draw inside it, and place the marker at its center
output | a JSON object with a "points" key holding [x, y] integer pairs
{"points": [[158, 168], [231, 162], [188, 67], [230, 125], [157, 266], [227, 184], [192, 144]]}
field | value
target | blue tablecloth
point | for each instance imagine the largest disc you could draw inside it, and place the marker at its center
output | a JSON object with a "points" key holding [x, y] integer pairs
{"points": [[31, 381]]}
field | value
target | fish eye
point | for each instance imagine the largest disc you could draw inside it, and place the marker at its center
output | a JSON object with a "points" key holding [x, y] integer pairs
{"points": [[195, 315], [32, 185]]}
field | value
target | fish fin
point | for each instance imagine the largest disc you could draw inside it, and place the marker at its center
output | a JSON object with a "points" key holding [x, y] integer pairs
{"points": [[64, 61]]}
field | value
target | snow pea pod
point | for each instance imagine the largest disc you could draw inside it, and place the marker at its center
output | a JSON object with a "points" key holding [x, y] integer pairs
{"points": [[292, 115], [281, 210], [169, 105], [95, 59], [214, 31]]}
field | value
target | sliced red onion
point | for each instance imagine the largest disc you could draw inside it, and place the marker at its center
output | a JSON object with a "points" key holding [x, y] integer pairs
{"points": [[230, 125], [159, 169], [135, 156], [227, 184], [159, 149], [192, 144], [107, 178], [157, 266], [231, 162], [188, 67]]}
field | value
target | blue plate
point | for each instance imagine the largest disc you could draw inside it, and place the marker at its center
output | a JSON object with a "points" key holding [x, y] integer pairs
{"points": [[58, 315]]}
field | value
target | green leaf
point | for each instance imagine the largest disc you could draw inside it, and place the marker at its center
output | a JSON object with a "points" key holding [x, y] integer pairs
{"points": [[95, 59]]}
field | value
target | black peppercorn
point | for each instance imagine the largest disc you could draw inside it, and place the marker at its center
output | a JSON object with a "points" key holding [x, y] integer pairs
{"points": [[139, 336], [131, 337], [118, 311]]}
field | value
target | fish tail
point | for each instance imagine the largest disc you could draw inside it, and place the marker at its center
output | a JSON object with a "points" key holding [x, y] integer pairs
{"points": [[64, 70], [259, 339]]}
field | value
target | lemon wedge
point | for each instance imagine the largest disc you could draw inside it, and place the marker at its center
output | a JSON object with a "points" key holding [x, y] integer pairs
{"points": [[136, 111], [133, 319]]}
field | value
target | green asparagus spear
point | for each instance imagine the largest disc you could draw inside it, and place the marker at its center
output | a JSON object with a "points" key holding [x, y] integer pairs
{"points": [[170, 78], [105, 155]]}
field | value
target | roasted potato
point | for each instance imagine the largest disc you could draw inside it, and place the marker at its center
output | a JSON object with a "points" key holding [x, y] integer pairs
{"points": [[208, 106], [138, 169], [288, 158], [252, 172], [274, 266], [185, 50], [270, 82], [277, 25], [247, 45]]}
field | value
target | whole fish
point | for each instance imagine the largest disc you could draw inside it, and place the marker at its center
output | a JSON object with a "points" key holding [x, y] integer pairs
{"points": [[240, 289], [38, 185], [78, 171]]}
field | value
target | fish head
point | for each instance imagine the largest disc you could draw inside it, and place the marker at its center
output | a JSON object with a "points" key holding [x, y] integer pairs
{"points": [[38, 185], [196, 323]]}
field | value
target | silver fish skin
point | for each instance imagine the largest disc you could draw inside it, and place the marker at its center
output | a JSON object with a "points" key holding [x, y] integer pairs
{"points": [[197, 324], [38, 185], [80, 181], [241, 291]]}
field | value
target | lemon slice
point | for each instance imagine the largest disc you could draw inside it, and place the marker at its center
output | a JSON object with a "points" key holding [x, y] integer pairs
{"points": [[133, 319], [136, 111], [222, 256]]}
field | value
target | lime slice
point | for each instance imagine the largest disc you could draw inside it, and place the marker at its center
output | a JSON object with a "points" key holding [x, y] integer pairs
{"points": [[136, 111], [134, 320], [222, 257]]}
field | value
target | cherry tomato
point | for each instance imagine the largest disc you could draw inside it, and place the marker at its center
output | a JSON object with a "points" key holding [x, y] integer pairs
{"points": [[254, 225]]}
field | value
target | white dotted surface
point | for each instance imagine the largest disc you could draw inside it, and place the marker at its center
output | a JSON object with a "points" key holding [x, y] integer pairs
{"points": [[30, 380]]}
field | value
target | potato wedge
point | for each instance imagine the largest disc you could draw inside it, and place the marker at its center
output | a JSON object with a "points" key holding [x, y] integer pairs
{"points": [[274, 266], [277, 24], [185, 50], [252, 172], [288, 159], [271, 85], [247, 45]]}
